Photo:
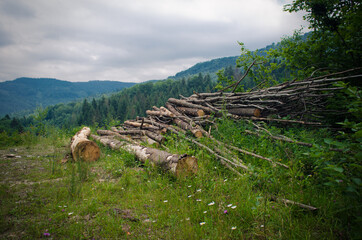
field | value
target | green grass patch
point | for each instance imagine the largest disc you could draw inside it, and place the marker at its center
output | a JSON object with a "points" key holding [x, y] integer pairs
{"points": [[120, 197]]}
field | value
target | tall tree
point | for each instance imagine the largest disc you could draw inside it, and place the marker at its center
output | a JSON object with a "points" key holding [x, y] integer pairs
{"points": [[335, 40]]}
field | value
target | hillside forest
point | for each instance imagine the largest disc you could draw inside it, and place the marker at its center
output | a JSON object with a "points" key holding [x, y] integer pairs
{"points": [[295, 174]]}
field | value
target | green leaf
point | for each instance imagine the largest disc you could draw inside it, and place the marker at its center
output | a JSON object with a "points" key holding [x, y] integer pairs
{"points": [[357, 181], [337, 169], [334, 168], [330, 184]]}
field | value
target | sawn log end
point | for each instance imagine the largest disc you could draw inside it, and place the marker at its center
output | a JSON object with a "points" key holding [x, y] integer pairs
{"points": [[186, 166]]}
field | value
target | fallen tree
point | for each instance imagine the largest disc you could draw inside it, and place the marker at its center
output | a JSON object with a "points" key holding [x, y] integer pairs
{"points": [[82, 148], [180, 165]]}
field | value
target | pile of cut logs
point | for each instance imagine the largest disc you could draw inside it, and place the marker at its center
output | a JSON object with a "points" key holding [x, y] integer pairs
{"points": [[297, 99]]}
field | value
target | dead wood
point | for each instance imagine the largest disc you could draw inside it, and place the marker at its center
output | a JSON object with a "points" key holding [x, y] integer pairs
{"points": [[140, 125], [248, 153], [183, 124], [252, 112], [303, 101], [180, 165], [156, 137], [112, 134], [226, 162], [286, 139], [235, 85], [158, 114], [286, 201], [184, 103], [82, 148], [191, 111], [282, 120]]}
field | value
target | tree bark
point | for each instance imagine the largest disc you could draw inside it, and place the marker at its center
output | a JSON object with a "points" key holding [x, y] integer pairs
{"points": [[249, 112], [82, 148], [140, 125], [287, 201], [184, 103], [191, 111], [182, 124], [156, 137], [180, 165]]}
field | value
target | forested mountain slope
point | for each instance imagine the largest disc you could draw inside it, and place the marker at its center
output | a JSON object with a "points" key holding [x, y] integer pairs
{"points": [[210, 67], [214, 65], [127, 104], [28, 93]]}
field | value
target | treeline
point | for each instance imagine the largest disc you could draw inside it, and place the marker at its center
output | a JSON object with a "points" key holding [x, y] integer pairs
{"points": [[126, 104], [11, 125]]}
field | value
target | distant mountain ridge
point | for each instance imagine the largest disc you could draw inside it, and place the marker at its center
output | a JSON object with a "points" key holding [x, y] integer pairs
{"points": [[24, 94], [214, 65], [210, 67]]}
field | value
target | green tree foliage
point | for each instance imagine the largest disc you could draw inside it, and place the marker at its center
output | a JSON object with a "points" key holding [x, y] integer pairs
{"points": [[261, 67], [11, 125], [332, 45], [16, 125], [335, 41]]}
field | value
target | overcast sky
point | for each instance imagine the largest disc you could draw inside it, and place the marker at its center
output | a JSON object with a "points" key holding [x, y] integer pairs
{"points": [[131, 40]]}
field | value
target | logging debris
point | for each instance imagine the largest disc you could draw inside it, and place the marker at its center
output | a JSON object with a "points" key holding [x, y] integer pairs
{"points": [[294, 102], [299, 100], [82, 148], [180, 165]]}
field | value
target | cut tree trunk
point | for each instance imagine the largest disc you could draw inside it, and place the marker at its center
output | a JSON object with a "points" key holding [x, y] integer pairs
{"points": [[191, 111], [82, 148], [183, 124], [180, 165], [249, 112], [184, 103], [140, 125]]}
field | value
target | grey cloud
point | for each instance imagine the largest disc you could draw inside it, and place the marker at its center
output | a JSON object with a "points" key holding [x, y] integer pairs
{"points": [[5, 38], [16, 9], [76, 39]]}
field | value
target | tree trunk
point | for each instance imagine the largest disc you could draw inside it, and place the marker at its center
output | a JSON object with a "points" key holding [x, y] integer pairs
{"points": [[180, 165], [191, 111], [184, 103], [182, 124], [249, 112], [82, 148]]}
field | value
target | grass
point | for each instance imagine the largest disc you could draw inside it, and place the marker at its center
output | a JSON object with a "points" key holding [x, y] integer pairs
{"points": [[118, 197]]}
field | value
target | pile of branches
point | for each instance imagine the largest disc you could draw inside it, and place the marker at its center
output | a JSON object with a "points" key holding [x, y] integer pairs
{"points": [[193, 114], [300, 100]]}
